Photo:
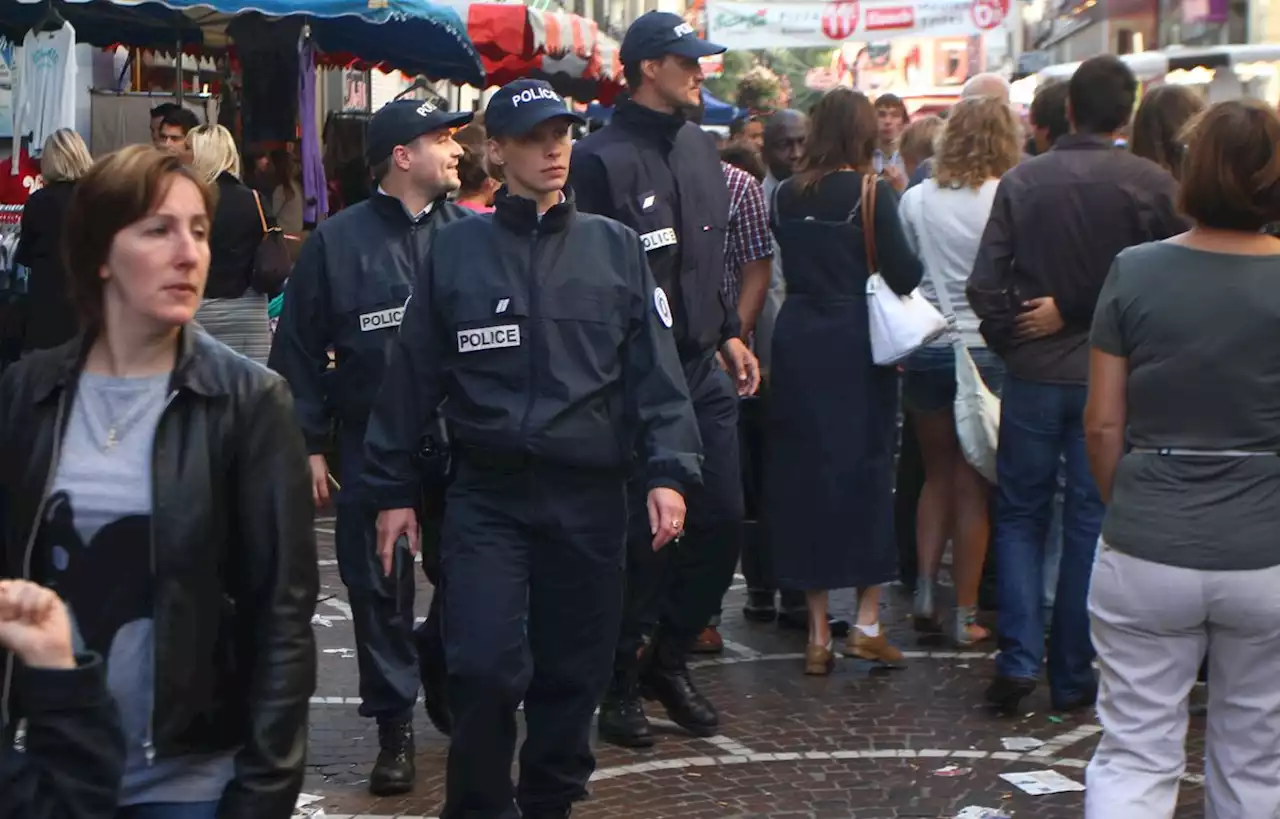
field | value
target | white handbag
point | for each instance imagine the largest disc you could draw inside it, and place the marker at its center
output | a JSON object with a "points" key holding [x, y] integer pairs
{"points": [[899, 325], [977, 409]]}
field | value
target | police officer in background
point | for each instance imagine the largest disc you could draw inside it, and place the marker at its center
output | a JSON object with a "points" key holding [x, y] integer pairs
{"points": [[347, 293], [540, 334], [660, 175]]}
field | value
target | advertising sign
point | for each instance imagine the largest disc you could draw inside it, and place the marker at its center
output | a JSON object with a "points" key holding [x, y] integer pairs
{"points": [[746, 25]]}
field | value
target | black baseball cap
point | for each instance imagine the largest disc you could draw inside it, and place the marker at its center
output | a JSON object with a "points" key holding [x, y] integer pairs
{"points": [[519, 106], [403, 121], [655, 34]]}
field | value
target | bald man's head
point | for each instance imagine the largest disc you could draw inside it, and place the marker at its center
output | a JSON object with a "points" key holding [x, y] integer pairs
{"points": [[784, 136], [986, 85]]}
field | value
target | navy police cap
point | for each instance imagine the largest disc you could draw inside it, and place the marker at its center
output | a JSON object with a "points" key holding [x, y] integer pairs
{"points": [[403, 121], [519, 106], [655, 34]]}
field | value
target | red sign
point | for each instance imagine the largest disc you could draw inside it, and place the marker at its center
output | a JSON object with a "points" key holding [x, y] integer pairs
{"points": [[892, 17], [989, 14], [840, 19]]}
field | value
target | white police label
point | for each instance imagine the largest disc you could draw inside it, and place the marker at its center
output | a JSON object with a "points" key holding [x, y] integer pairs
{"points": [[658, 238], [382, 319], [662, 306], [488, 338], [425, 108], [531, 94], [683, 30]]}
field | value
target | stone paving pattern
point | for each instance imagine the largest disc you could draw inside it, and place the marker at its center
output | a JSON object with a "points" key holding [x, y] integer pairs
{"points": [[864, 743]]}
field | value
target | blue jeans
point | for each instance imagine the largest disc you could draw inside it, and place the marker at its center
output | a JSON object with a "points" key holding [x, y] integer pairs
{"points": [[1041, 431], [170, 810]]}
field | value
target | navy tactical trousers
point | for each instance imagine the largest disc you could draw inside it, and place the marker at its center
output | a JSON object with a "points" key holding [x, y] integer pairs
{"points": [[532, 554], [381, 607]]}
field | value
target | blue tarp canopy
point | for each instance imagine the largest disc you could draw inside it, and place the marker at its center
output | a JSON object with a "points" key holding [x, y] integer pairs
{"points": [[414, 36], [714, 111]]}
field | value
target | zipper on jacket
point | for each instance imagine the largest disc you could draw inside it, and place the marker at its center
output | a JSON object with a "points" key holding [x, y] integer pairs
{"points": [[148, 742], [533, 291], [31, 541]]}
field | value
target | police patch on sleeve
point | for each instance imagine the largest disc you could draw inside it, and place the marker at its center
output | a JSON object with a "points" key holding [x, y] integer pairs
{"points": [[663, 307]]}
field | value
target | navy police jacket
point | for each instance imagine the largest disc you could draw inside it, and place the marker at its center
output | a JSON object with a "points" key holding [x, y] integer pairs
{"points": [[660, 176], [347, 292], [539, 337]]}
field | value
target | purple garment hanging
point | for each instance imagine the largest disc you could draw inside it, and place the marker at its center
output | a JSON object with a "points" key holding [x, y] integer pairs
{"points": [[315, 189]]}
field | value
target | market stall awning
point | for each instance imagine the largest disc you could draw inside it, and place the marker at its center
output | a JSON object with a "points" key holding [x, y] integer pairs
{"points": [[415, 36], [517, 41]]}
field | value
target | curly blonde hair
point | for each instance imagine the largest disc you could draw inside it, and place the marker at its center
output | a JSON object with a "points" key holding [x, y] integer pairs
{"points": [[981, 140]]}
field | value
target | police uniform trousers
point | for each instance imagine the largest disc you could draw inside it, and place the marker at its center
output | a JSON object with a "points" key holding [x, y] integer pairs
{"points": [[673, 593], [533, 555], [381, 606]]}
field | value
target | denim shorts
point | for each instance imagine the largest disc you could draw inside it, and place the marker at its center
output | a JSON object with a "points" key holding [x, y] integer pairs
{"points": [[929, 376]]}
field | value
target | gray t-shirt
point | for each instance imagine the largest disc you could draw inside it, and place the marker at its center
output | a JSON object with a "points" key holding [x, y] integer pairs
{"points": [[1201, 332], [94, 548]]}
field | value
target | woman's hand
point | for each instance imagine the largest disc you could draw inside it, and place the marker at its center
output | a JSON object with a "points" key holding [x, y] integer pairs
{"points": [[666, 516], [35, 626]]}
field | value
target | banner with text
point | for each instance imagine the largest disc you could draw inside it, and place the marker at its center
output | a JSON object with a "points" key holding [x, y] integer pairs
{"points": [[746, 25]]}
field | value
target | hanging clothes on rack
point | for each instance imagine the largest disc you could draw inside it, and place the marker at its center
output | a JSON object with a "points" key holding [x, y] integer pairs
{"points": [[315, 190], [45, 100]]}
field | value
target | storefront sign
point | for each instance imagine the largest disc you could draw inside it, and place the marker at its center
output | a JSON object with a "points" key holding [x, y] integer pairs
{"points": [[745, 25]]}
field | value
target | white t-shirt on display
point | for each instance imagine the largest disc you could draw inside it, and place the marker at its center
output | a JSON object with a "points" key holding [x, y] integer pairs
{"points": [[45, 98]]}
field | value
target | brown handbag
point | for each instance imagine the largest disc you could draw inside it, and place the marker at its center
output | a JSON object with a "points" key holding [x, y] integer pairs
{"points": [[272, 262], [868, 204]]}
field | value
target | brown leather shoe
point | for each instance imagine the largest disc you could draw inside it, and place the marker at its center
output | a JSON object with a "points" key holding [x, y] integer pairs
{"points": [[876, 649], [818, 661], [708, 642]]}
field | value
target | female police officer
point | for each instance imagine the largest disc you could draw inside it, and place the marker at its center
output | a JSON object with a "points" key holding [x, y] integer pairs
{"points": [[540, 335]]}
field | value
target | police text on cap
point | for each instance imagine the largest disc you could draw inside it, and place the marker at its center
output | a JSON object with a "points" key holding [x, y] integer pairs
{"points": [[683, 30], [426, 108], [531, 94]]}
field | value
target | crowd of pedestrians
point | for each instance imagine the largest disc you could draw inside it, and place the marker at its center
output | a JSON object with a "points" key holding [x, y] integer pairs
{"points": [[586, 380]]}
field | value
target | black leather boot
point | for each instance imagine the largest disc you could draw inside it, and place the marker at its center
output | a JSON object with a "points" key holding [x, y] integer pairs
{"points": [[622, 720], [393, 773], [666, 679]]}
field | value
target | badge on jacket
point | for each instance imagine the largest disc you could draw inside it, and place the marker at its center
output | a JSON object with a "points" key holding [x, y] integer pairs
{"points": [[658, 238], [488, 338], [663, 307]]}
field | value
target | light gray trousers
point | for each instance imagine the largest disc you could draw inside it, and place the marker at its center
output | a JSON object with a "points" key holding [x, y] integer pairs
{"points": [[1151, 625]]}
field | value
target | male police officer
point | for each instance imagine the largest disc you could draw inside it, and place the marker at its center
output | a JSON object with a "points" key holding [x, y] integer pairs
{"points": [[348, 292], [540, 334], [660, 175]]}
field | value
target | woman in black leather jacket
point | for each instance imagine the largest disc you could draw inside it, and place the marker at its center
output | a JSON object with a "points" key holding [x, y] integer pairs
{"points": [[158, 483]]}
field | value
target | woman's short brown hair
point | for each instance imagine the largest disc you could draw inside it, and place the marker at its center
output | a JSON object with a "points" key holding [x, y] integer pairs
{"points": [[842, 134], [917, 141], [981, 140], [1231, 175], [118, 190]]}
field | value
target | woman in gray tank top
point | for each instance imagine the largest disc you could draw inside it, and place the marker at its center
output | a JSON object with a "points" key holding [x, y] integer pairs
{"points": [[1185, 369]]}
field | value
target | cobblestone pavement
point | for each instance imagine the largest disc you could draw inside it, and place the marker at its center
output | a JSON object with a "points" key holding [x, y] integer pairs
{"points": [[861, 744]]}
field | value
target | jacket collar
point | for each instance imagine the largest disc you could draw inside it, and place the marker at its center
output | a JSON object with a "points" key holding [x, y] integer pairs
{"points": [[392, 208], [635, 117], [520, 215], [1086, 142], [194, 370]]}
